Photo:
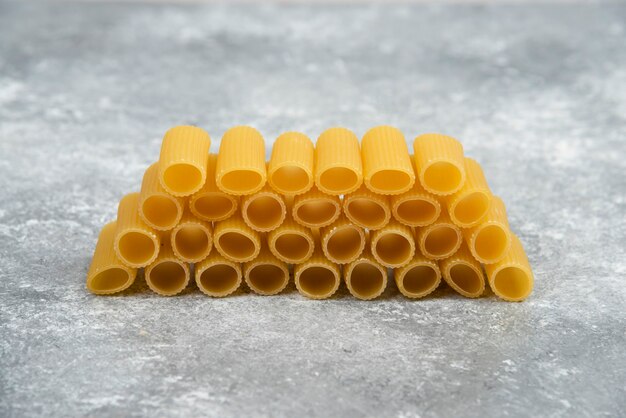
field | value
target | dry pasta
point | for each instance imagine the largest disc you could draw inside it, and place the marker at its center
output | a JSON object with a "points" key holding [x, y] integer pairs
{"points": [[157, 208], [183, 160], [387, 167], [439, 161], [167, 275], [315, 209], [342, 241], [241, 166], [394, 245], [318, 277], [338, 166], [511, 278], [290, 170], [210, 203], [107, 274], [365, 278], [218, 277], [470, 204], [266, 274], [367, 209], [235, 240], [490, 240], [419, 278], [440, 239], [463, 273], [291, 242], [192, 239], [264, 210], [136, 244]]}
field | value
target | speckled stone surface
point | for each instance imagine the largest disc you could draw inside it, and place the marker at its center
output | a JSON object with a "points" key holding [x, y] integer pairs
{"points": [[537, 94]]}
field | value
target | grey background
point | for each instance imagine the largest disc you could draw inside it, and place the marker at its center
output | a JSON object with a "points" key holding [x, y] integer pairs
{"points": [[537, 94]]}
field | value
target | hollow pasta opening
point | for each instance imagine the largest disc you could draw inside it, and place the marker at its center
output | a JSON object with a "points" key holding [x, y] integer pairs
{"points": [[367, 212], [136, 248], [441, 241], [241, 181], [417, 212], [213, 206], [167, 277], [390, 181], [366, 281], [393, 249], [161, 211], [236, 245], [265, 212], [182, 178], [293, 247], [110, 280], [338, 179], [443, 177], [512, 283], [192, 242], [290, 179], [316, 212], [267, 278], [344, 244], [420, 279], [491, 242], [466, 278], [471, 208], [219, 279], [317, 281]]}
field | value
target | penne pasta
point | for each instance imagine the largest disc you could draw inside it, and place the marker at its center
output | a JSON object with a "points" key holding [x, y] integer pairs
{"points": [[387, 167], [107, 274], [367, 209], [235, 240], [491, 239], [342, 242], [218, 277], [365, 278], [157, 208], [470, 204], [419, 278], [416, 207], [290, 170], [511, 278], [183, 160], [338, 166], [318, 277], [136, 244], [192, 239], [463, 273], [394, 245], [210, 203], [167, 275], [440, 165], [315, 209], [264, 210], [266, 274], [291, 242], [440, 239], [241, 166]]}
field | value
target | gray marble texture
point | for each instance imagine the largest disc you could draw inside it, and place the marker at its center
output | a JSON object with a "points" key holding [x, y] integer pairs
{"points": [[537, 94]]}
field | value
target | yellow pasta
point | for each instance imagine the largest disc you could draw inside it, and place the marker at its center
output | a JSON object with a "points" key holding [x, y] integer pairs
{"points": [[342, 241], [218, 277], [470, 204], [315, 209], [291, 242], [157, 208], [136, 244], [511, 278], [241, 166], [210, 203], [290, 170], [365, 278], [318, 277], [419, 278], [394, 245], [463, 273], [338, 166], [490, 240], [167, 275], [266, 274], [387, 167], [183, 160], [440, 239], [235, 240], [264, 210], [192, 239], [107, 274], [416, 207], [439, 160], [367, 209]]}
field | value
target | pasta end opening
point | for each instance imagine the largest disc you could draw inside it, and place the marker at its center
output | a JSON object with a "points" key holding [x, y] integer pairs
{"points": [[292, 247], [291, 179], [442, 177], [318, 282], [317, 212], [111, 280], [420, 280], [267, 279], [512, 283], [338, 180], [344, 245], [192, 242], [393, 249], [471, 208], [214, 207], [137, 248], [467, 279], [368, 213], [366, 281], [265, 212], [167, 278], [417, 212], [441, 241], [237, 246], [219, 280], [182, 178], [242, 181], [390, 181], [491, 243], [161, 211]]}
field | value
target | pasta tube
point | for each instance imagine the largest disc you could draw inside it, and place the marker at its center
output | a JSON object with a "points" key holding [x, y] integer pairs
{"points": [[511, 278], [440, 165], [291, 242], [266, 274], [192, 239], [470, 204], [235, 240], [218, 277], [290, 170], [365, 278], [241, 166], [107, 274], [394, 245], [183, 160], [386, 164], [342, 241], [167, 275], [318, 277], [416, 207], [338, 166], [210, 203], [419, 278], [157, 208], [264, 210], [136, 244], [440, 239], [315, 209], [463, 273], [367, 209], [491, 239]]}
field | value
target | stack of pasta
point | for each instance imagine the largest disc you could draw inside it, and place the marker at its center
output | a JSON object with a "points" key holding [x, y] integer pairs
{"points": [[337, 209]]}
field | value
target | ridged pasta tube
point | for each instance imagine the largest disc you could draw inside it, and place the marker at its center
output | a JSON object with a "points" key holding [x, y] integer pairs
{"points": [[440, 165], [290, 170], [263, 211], [315, 209], [511, 278], [291, 242], [107, 274], [157, 208], [387, 167], [167, 275], [218, 277], [367, 209], [342, 241], [470, 204], [416, 207], [136, 244], [463, 273], [365, 278], [235, 240], [440, 239], [266, 274], [318, 277], [338, 166], [394, 245], [241, 168], [419, 278], [210, 203], [491, 239], [183, 160], [192, 239]]}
